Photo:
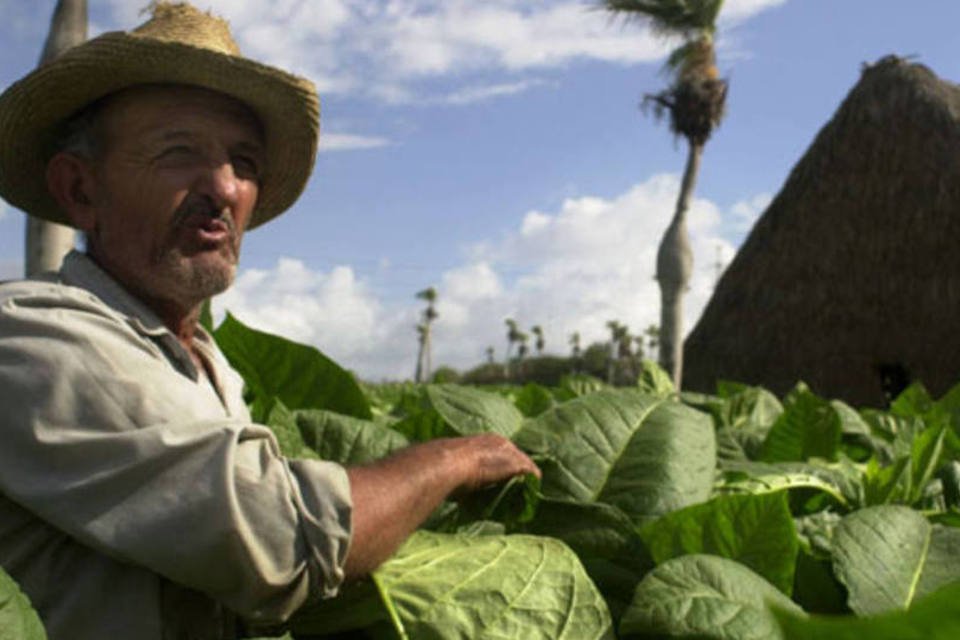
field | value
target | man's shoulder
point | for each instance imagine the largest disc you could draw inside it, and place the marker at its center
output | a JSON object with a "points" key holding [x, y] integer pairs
{"points": [[46, 291]]}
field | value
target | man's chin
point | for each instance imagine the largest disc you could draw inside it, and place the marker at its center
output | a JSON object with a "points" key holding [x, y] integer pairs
{"points": [[200, 276]]}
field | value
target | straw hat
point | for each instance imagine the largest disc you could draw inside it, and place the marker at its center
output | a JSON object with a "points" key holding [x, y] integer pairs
{"points": [[178, 45]]}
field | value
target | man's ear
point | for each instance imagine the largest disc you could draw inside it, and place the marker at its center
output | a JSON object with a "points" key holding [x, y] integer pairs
{"points": [[71, 182]]}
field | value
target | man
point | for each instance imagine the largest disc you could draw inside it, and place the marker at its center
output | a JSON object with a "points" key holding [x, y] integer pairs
{"points": [[136, 498]]}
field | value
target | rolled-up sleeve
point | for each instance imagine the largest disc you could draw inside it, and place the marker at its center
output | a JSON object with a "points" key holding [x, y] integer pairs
{"points": [[103, 439]]}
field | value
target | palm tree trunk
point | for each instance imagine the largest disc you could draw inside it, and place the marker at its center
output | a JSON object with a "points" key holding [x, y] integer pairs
{"points": [[610, 364], [48, 242], [674, 267], [418, 374], [428, 356]]}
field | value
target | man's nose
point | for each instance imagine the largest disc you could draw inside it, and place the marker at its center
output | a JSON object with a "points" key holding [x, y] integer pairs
{"points": [[219, 182]]}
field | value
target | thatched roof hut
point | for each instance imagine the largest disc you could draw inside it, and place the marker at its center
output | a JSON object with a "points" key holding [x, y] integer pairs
{"points": [[853, 272]]}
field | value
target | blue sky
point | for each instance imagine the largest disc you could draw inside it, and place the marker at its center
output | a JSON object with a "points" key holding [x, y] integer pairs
{"points": [[495, 150]]}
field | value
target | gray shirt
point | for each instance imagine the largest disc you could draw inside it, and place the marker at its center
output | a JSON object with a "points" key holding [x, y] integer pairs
{"points": [[137, 499]]}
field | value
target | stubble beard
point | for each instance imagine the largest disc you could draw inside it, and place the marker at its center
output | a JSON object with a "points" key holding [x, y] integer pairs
{"points": [[192, 281], [192, 278]]}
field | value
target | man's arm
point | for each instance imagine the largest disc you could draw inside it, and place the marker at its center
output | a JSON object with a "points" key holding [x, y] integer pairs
{"points": [[107, 443], [393, 496]]}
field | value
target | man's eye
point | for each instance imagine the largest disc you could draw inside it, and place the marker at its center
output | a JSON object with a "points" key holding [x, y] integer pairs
{"points": [[246, 166], [179, 151]]}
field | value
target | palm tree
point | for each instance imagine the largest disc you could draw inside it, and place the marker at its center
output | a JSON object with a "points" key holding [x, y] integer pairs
{"points": [[522, 350], [489, 355], [694, 102], [48, 242], [641, 344], [424, 333], [616, 330], [537, 332], [421, 342], [652, 334], [513, 336], [574, 342], [625, 353]]}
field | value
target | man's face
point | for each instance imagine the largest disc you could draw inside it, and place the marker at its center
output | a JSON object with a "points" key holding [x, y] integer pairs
{"points": [[175, 185]]}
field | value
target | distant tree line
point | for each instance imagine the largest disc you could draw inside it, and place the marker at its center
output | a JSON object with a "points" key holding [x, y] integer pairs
{"points": [[617, 360]]}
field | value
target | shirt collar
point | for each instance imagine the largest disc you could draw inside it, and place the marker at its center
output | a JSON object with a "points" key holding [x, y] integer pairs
{"points": [[79, 270]]}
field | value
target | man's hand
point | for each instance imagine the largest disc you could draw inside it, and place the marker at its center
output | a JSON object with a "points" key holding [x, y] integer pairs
{"points": [[489, 459], [393, 496]]}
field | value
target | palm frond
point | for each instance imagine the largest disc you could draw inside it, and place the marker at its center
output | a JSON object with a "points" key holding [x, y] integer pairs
{"points": [[694, 60], [670, 17], [678, 57]]}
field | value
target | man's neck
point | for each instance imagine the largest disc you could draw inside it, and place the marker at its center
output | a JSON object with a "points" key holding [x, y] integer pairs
{"points": [[181, 321], [181, 317]]}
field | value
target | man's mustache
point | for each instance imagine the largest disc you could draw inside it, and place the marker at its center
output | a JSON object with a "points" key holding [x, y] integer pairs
{"points": [[202, 207]]}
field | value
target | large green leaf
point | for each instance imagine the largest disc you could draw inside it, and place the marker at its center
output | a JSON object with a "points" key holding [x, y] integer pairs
{"points": [[511, 504], [595, 530], [755, 530], [889, 556], [533, 399], [905, 480], [810, 427], [469, 411], [454, 410], [642, 454], [526, 587], [346, 440], [654, 380], [605, 540], [934, 617], [746, 406], [839, 481], [579, 384], [914, 401], [390, 398], [18, 620], [700, 596], [743, 416], [283, 423], [739, 444], [301, 376]]}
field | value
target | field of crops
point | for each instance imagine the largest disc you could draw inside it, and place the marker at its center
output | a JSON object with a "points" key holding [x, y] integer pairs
{"points": [[737, 515]]}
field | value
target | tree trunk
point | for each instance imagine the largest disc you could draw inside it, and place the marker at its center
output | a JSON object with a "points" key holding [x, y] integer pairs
{"points": [[418, 375], [610, 364], [48, 242], [428, 355], [674, 267]]}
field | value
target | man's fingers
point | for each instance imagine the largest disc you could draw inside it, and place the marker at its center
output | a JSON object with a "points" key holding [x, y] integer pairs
{"points": [[495, 459]]}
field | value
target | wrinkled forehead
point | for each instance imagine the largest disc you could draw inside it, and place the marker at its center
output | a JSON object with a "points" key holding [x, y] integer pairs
{"points": [[161, 100]]}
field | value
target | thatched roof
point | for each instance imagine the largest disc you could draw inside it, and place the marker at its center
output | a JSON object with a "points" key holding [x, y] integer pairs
{"points": [[854, 268]]}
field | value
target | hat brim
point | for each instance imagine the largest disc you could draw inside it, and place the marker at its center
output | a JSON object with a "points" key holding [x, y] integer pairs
{"points": [[32, 110]]}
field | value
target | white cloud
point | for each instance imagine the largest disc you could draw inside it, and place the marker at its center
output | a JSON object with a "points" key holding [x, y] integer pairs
{"points": [[573, 269], [349, 142], [381, 48], [737, 11], [474, 94], [334, 311], [745, 213]]}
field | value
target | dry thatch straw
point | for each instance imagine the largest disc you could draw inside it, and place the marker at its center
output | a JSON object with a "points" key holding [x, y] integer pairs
{"points": [[854, 269]]}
